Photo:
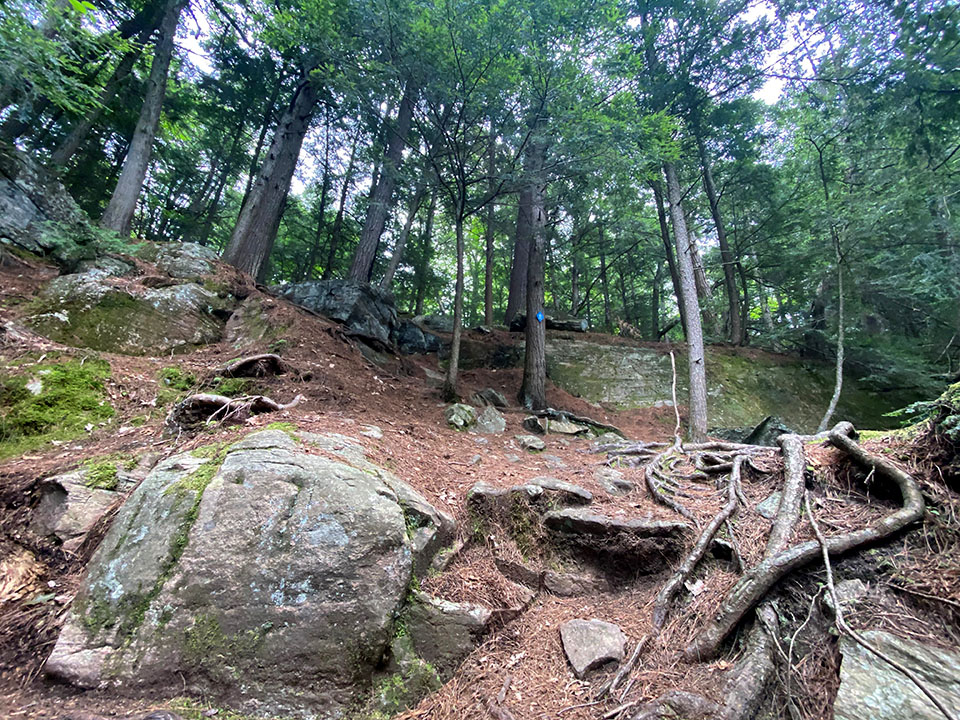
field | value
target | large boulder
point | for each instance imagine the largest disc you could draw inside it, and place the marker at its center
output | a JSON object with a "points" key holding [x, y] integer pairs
{"points": [[365, 309], [88, 310], [183, 261], [38, 215], [870, 689], [263, 574]]}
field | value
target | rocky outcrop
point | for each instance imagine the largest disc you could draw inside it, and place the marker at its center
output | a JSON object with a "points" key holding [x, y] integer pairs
{"points": [[364, 309], [460, 416], [38, 215], [88, 310], [870, 689], [262, 574], [444, 632]]}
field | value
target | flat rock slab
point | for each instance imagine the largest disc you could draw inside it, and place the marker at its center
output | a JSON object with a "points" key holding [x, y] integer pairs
{"points": [[870, 689], [530, 442], [649, 545], [533, 490], [589, 644], [490, 421]]}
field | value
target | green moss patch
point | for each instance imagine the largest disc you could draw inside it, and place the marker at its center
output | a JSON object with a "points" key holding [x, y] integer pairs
{"points": [[234, 387], [40, 403]]}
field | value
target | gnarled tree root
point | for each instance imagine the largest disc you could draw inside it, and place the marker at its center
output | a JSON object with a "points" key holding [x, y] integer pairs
{"points": [[207, 407], [254, 366], [763, 576]]}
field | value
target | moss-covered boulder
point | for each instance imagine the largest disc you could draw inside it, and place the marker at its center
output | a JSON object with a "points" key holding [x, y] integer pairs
{"points": [[262, 574], [93, 311], [57, 399]]}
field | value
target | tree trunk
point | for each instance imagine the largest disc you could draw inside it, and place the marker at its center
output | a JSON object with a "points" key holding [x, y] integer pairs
{"points": [[450, 393], [532, 162], [668, 251], [533, 392], [838, 380], [381, 199], [488, 234], [401, 245], [119, 213], [697, 421], [256, 228], [575, 284], [336, 231], [730, 264], [426, 245], [655, 303]]}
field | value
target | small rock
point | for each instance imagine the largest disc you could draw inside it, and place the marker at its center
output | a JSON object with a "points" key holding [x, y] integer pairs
{"points": [[555, 462], [489, 396], [491, 421], [571, 585], [612, 480], [591, 643], [475, 460], [609, 438], [534, 424], [768, 508], [444, 632], [460, 416], [565, 427], [371, 431], [530, 442], [849, 593], [510, 457]]}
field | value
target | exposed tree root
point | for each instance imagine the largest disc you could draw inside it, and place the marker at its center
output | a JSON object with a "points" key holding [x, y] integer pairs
{"points": [[748, 680], [661, 607], [679, 704], [255, 366], [788, 511], [759, 579], [208, 408]]}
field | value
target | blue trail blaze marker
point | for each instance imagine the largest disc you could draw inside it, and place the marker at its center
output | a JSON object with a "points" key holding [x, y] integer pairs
{"points": [[540, 316]]}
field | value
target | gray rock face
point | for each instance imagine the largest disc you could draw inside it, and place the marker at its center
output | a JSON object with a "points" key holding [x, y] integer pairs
{"points": [[650, 544], [769, 506], [489, 396], [460, 416], [270, 579], [546, 488], [70, 507], [185, 261], [31, 200], [365, 309], [444, 632], [589, 644], [490, 421], [413, 339], [613, 481], [870, 689], [86, 310], [530, 442], [438, 323]]}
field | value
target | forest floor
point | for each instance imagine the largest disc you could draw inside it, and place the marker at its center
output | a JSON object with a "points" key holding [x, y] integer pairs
{"points": [[346, 391]]}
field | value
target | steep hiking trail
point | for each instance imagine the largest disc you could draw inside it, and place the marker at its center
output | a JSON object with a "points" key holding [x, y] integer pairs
{"points": [[217, 502]]}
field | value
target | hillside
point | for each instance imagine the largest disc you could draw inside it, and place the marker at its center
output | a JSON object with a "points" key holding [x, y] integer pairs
{"points": [[503, 544]]}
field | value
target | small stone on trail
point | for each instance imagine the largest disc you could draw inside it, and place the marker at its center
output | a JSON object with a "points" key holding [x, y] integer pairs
{"points": [[530, 442], [491, 421], [372, 431], [612, 480], [591, 643], [768, 508], [460, 416]]}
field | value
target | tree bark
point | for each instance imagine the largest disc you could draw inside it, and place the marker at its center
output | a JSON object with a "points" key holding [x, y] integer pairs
{"points": [[381, 199], [533, 392], [401, 245], [655, 303], [532, 162], [697, 421], [310, 266], [119, 213], [668, 251], [450, 393], [256, 227], [730, 264], [838, 379]]}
